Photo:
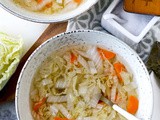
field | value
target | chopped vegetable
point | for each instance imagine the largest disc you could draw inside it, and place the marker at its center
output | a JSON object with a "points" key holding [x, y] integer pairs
{"points": [[73, 58], [39, 104], [39, 1], [95, 57], [100, 106], [78, 1], [126, 77], [119, 67], [61, 84], [10, 55], [96, 95], [58, 99], [49, 5], [113, 93], [92, 67], [106, 54], [132, 105], [54, 110], [83, 62], [64, 111], [58, 118], [46, 81]]}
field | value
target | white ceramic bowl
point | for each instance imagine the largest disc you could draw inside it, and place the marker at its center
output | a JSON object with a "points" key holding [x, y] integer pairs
{"points": [[10, 6], [131, 60]]}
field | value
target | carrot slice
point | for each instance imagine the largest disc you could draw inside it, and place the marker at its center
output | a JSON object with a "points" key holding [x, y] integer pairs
{"points": [[116, 97], [58, 118], [39, 1], [73, 58], [106, 54], [39, 104], [78, 1], [132, 105], [119, 67], [101, 102], [49, 5]]}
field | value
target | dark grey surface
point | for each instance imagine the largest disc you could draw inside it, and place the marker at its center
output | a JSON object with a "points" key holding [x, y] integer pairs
{"points": [[7, 111]]}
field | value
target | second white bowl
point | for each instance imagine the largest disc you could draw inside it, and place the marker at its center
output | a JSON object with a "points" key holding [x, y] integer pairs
{"points": [[11, 7]]}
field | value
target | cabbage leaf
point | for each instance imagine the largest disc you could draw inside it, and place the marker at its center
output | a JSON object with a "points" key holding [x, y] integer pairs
{"points": [[10, 54]]}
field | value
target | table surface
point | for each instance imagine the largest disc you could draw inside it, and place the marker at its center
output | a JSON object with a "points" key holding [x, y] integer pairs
{"points": [[15, 26]]}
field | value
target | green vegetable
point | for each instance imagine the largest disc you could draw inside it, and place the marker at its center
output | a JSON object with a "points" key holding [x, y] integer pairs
{"points": [[10, 54], [153, 62]]}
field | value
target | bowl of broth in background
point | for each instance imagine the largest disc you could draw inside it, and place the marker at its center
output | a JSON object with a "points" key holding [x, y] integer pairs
{"points": [[47, 11]]}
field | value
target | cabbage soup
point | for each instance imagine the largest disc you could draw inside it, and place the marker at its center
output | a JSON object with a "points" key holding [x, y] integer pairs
{"points": [[69, 84], [49, 6]]}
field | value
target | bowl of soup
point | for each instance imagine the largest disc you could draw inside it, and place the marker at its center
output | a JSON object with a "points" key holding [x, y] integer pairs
{"points": [[65, 78], [47, 11]]}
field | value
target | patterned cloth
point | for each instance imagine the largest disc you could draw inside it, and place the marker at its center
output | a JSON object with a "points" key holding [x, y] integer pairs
{"points": [[92, 20]]}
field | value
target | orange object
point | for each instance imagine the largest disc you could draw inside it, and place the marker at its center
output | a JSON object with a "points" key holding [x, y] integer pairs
{"points": [[101, 102], [49, 5], [73, 58], [119, 67], [78, 1], [116, 97], [39, 1], [132, 105], [142, 6], [39, 104], [58, 118], [106, 54]]}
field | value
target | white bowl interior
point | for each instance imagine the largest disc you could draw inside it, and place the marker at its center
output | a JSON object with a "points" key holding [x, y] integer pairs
{"points": [[128, 56], [37, 17]]}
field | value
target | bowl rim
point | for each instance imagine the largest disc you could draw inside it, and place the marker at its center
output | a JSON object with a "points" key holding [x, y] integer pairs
{"points": [[72, 32], [36, 20]]}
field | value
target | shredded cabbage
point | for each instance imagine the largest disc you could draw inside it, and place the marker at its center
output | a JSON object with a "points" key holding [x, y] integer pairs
{"points": [[10, 55], [75, 89]]}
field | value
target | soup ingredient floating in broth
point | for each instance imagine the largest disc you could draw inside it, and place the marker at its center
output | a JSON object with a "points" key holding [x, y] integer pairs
{"points": [[10, 54], [70, 83], [49, 6]]}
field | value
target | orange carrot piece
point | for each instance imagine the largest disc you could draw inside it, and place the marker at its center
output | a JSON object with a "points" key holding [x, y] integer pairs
{"points": [[78, 1], [101, 102], [116, 97], [73, 58], [39, 104], [49, 5], [119, 67], [106, 54], [58, 118], [132, 105], [39, 1]]}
